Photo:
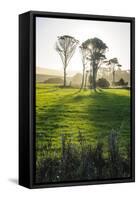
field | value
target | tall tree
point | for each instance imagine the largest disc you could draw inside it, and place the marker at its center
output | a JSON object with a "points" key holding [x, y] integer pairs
{"points": [[97, 49], [84, 53], [113, 63], [66, 46]]}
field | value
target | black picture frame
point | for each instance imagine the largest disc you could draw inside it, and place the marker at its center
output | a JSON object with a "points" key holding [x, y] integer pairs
{"points": [[27, 96]]}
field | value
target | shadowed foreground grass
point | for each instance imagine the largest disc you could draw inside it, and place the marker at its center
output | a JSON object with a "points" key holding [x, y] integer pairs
{"points": [[94, 114], [84, 162]]}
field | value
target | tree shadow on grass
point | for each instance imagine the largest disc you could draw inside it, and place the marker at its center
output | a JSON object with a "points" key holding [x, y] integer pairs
{"points": [[101, 111], [101, 98], [97, 105]]}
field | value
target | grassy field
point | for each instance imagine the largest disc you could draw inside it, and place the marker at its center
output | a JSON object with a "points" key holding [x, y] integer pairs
{"points": [[68, 111]]}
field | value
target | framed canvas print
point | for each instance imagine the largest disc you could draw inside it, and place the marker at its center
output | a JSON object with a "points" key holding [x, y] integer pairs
{"points": [[76, 99]]}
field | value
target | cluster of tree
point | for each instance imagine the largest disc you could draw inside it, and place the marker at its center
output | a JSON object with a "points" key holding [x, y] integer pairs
{"points": [[93, 57], [113, 63], [121, 82], [104, 83], [106, 72]]}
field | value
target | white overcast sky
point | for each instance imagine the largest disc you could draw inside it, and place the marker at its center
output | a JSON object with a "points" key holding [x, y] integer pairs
{"points": [[115, 34]]}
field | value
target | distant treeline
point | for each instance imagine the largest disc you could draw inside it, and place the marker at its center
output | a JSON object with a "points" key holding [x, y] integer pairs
{"points": [[75, 81]]}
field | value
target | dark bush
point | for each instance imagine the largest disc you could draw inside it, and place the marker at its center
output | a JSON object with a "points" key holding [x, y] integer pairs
{"points": [[103, 83]]}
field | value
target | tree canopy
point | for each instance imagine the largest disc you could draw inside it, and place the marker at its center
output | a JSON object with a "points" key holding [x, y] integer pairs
{"points": [[97, 49]]}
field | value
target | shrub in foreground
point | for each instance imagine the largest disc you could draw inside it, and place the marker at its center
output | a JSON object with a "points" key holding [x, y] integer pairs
{"points": [[84, 162]]}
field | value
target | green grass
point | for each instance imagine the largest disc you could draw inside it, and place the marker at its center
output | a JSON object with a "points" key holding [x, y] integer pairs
{"points": [[68, 111]]}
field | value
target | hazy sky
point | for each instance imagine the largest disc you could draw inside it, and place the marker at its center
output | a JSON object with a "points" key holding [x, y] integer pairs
{"points": [[115, 34]]}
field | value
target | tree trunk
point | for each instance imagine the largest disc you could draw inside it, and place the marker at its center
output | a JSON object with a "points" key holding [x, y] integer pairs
{"points": [[65, 67], [94, 78], [113, 77], [113, 83], [91, 76], [82, 83], [85, 80], [95, 69], [64, 76]]}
